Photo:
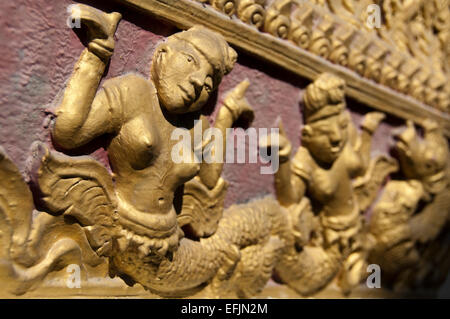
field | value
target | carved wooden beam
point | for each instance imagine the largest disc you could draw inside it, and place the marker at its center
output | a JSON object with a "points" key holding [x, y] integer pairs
{"points": [[283, 53]]}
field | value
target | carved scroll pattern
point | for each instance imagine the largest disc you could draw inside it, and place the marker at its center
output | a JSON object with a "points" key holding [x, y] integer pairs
{"points": [[408, 52]]}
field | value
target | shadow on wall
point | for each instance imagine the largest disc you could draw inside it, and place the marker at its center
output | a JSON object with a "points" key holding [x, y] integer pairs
{"points": [[444, 292]]}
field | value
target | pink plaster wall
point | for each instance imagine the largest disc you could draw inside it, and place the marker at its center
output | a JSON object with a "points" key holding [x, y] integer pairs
{"points": [[38, 51]]}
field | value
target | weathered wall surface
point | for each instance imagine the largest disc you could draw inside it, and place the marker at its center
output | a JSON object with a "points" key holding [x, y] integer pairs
{"points": [[39, 51]]}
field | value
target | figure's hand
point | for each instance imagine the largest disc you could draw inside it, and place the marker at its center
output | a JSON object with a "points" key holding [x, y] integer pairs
{"points": [[238, 105], [284, 145], [372, 120], [100, 27]]}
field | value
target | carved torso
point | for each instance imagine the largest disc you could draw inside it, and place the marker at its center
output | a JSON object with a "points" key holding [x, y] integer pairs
{"points": [[140, 154], [331, 187]]}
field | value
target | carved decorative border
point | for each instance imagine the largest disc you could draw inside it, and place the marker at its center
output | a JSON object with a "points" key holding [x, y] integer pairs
{"points": [[186, 13]]}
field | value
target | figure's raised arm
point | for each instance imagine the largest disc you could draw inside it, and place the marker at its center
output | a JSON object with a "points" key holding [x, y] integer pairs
{"points": [[235, 107], [289, 187], [363, 144], [82, 115]]}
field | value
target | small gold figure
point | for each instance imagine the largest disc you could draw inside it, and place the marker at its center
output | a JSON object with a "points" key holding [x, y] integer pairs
{"points": [[331, 156]]}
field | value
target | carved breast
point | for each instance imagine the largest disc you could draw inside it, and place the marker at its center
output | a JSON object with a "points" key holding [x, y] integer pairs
{"points": [[141, 156]]}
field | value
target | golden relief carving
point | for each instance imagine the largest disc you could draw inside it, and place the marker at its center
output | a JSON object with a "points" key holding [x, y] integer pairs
{"points": [[226, 6], [252, 12], [31, 250], [125, 222], [380, 72], [412, 30], [163, 225], [140, 116], [278, 22], [410, 222], [333, 166]]}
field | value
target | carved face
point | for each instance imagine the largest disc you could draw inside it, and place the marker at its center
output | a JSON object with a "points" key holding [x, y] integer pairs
{"points": [[326, 138], [423, 159], [182, 76]]}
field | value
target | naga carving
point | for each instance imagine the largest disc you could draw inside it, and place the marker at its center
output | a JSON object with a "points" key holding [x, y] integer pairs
{"points": [[30, 250], [410, 222]]}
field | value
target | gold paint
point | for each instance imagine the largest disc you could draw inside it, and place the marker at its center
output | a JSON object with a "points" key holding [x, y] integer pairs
{"points": [[320, 37], [410, 222], [278, 20], [372, 53], [334, 167], [226, 6], [31, 250], [340, 51], [301, 28], [125, 224], [129, 226], [252, 12]]}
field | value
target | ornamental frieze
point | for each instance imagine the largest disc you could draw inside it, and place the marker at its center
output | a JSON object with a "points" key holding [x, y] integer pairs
{"points": [[129, 193]]}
